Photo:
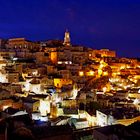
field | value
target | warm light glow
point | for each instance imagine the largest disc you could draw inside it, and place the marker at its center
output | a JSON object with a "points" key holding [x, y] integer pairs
{"points": [[81, 73], [122, 67], [114, 74], [118, 73], [27, 86], [44, 107], [35, 73], [58, 100], [104, 89], [105, 73], [90, 73], [90, 119], [3, 78], [59, 82], [100, 72], [53, 57], [136, 101], [66, 62], [75, 92], [102, 64], [67, 35], [90, 55], [5, 107], [59, 62]]}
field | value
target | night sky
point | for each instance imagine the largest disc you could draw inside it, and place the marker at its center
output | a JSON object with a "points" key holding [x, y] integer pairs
{"points": [[112, 24]]}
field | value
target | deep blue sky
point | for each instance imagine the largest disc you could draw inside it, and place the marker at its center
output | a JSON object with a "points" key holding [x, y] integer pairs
{"points": [[113, 24]]}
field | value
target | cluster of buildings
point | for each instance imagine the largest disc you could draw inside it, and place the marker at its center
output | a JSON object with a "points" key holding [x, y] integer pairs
{"points": [[66, 86]]}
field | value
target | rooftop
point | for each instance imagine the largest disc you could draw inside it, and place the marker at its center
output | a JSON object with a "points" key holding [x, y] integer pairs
{"points": [[121, 113]]}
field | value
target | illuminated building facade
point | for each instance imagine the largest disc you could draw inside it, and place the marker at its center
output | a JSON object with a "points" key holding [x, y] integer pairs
{"points": [[22, 44], [63, 76], [102, 53], [67, 39]]}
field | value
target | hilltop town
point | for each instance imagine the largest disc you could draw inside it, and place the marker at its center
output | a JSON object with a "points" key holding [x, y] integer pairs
{"points": [[57, 90]]}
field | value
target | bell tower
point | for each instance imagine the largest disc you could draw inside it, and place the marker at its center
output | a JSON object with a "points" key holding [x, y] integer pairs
{"points": [[67, 38]]}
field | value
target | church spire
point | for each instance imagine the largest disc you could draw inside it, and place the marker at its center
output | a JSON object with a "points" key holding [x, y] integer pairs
{"points": [[67, 38]]}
